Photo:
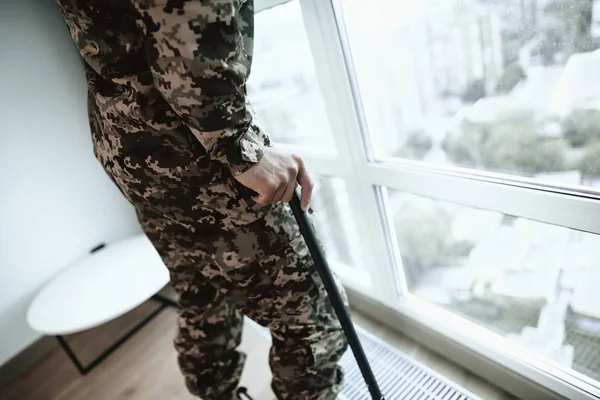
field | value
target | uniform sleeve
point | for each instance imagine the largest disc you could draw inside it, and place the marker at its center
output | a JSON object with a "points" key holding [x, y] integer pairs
{"points": [[199, 54]]}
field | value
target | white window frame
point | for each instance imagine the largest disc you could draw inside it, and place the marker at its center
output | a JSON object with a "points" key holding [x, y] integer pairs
{"points": [[367, 182]]}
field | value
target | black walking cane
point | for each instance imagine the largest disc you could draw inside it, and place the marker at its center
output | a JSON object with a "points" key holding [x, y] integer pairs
{"points": [[336, 298]]}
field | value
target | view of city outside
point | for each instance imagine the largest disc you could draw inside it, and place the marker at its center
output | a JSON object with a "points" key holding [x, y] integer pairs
{"points": [[508, 86], [283, 87], [534, 283]]}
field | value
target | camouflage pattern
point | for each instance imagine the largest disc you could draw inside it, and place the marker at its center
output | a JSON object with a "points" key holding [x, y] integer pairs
{"points": [[263, 270], [171, 127]]}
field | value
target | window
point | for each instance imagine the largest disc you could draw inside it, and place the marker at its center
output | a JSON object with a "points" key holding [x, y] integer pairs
{"points": [[498, 85], [531, 282], [283, 85], [334, 222], [455, 146]]}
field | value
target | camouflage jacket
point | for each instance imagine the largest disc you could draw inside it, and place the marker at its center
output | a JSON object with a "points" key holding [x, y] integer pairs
{"points": [[167, 92]]}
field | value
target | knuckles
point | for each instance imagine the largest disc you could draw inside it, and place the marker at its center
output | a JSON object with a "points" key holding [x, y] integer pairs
{"points": [[271, 186]]}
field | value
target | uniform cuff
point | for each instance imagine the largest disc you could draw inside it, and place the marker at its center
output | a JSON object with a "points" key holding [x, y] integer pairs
{"points": [[248, 150]]}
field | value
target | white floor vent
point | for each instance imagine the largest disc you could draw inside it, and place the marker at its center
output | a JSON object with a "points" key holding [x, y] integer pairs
{"points": [[400, 378]]}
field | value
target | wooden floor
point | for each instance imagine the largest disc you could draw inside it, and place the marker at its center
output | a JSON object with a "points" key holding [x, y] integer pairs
{"points": [[145, 367]]}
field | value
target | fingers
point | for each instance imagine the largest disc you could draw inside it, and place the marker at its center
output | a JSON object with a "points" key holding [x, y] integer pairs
{"points": [[289, 192], [305, 181], [273, 193], [261, 200], [267, 194], [279, 182], [288, 181], [278, 195]]}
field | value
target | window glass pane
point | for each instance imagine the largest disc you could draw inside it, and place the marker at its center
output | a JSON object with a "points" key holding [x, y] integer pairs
{"points": [[535, 283], [283, 87], [508, 86], [334, 222]]}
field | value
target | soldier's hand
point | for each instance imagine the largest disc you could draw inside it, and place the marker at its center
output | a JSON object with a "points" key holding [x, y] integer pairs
{"points": [[276, 177]]}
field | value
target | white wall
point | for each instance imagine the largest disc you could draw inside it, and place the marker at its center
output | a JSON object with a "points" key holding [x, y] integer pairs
{"points": [[56, 203]]}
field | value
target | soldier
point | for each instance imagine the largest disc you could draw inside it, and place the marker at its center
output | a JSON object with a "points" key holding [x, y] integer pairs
{"points": [[172, 128]]}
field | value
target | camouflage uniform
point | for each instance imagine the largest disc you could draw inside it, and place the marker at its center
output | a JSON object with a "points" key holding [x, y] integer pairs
{"points": [[171, 127]]}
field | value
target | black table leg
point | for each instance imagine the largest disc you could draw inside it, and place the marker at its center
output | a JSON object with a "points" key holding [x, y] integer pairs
{"points": [[84, 369], [63, 343]]}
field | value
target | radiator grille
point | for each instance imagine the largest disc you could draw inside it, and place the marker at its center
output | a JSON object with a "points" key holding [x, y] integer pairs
{"points": [[399, 377]]}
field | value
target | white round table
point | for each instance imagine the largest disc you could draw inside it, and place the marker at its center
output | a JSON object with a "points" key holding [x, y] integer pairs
{"points": [[98, 288]]}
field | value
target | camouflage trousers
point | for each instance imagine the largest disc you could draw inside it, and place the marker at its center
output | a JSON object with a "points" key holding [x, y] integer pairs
{"points": [[262, 270]]}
